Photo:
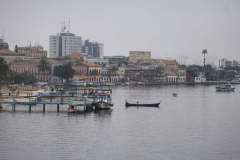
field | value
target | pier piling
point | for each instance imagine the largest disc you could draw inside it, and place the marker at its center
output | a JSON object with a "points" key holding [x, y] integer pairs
{"points": [[57, 107], [30, 108]]}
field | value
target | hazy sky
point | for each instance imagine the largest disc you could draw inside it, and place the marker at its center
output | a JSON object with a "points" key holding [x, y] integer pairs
{"points": [[167, 28]]}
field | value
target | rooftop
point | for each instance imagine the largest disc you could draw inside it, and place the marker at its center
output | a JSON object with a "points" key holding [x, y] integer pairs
{"points": [[7, 51], [170, 62]]}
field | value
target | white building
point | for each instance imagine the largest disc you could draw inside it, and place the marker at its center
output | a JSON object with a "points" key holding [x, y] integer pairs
{"points": [[200, 77], [64, 44]]}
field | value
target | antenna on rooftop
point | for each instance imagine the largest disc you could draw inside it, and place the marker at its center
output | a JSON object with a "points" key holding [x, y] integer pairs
{"points": [[63, 27], [3, 39], [69, 24]]}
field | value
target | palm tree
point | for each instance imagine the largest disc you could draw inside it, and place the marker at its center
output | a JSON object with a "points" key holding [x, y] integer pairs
{"points": [[3, 68], [44, 65], [204, 52]]}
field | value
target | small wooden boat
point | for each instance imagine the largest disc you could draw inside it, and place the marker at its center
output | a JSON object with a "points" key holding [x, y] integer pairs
{"points": [[140, 104], [72, 109]]}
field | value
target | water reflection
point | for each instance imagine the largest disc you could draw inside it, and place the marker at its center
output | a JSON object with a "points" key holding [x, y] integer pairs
{"points": [[102, 114]]}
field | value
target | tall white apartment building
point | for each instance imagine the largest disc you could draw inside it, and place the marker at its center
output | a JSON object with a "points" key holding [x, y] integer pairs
{"points": [[64, 44]]}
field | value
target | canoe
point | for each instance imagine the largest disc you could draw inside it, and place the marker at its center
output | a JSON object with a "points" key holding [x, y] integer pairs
{"points": [[144, 104]]}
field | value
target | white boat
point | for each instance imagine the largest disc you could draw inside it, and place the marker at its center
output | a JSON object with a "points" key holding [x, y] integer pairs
{"points": [[141, 83], [79, 83], [225, 87], [103, 100]]}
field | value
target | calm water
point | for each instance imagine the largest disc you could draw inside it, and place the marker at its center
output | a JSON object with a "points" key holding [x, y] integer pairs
{"points": [[198, 124]]}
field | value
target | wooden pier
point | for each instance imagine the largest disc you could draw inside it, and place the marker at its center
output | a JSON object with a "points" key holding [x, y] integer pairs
{"points": [[87, 105]]}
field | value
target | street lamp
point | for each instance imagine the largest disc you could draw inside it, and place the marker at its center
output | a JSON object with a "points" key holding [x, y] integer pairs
{"points": [[13, 71]]}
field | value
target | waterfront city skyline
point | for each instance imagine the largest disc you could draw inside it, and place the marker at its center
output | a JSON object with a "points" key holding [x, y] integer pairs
{"points": [[168, 29]]}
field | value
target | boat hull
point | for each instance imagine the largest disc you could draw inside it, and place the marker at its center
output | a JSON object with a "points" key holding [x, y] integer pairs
{"points": [[102, 105], [143, 105], [225, 87], [71, 110]]}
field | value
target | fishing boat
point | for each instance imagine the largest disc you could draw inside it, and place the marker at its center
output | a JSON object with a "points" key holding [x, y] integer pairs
{"points": [[235, 82], [72, 109], [108, 84], [79, 83], [225, 87], [141, 83], [127, 104], [174, 94], [103, 100]]}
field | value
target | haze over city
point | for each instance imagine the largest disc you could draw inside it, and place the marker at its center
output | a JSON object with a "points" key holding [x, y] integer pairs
{"points": [[168, 29]]}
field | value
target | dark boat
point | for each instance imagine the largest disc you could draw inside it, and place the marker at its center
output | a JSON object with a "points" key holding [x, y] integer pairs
{"points": [[139, 104]]}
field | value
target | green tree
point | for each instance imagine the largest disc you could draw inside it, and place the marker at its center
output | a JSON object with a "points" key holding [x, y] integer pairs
{"points": [[94, 73], [112, 69], [27, 78], [16, 49], [4, 68], [159, 70], [64, 71], [221, 75], [44, 65]]}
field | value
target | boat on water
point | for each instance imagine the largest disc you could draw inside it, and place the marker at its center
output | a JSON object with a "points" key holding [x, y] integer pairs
{"points": [[93, 84], [125, 84], [108, 84], [174, 94], [141, 83], [235, 82], [72, 109], [79, 83], [103, 100], [225, 87], [127, 104]]}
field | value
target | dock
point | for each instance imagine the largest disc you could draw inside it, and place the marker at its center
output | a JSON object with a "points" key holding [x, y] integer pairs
{"points": [[87, 105], [76, 100]]}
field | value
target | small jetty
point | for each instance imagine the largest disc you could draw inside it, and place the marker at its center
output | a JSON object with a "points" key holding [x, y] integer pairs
{"points": [[69, 98]]}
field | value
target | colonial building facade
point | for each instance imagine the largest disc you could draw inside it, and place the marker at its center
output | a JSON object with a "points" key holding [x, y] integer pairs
{"points": [[134, 56], [33, 51]]}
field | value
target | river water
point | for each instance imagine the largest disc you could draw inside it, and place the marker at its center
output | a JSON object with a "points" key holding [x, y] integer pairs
{"points": [[198, 124]]}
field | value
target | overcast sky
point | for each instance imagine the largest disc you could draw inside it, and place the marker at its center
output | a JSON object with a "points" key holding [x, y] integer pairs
{"points": [[166, 28]]}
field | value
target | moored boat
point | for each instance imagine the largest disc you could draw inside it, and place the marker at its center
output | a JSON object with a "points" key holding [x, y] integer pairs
{"points": [[127, 104], [103, 100], [141, 83], [225, 87], [79, 83], [71, 110], [235, 82]]}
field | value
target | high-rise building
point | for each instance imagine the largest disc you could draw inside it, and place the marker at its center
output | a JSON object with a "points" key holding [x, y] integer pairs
{"points": [[93, 49], [64, 44]]}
